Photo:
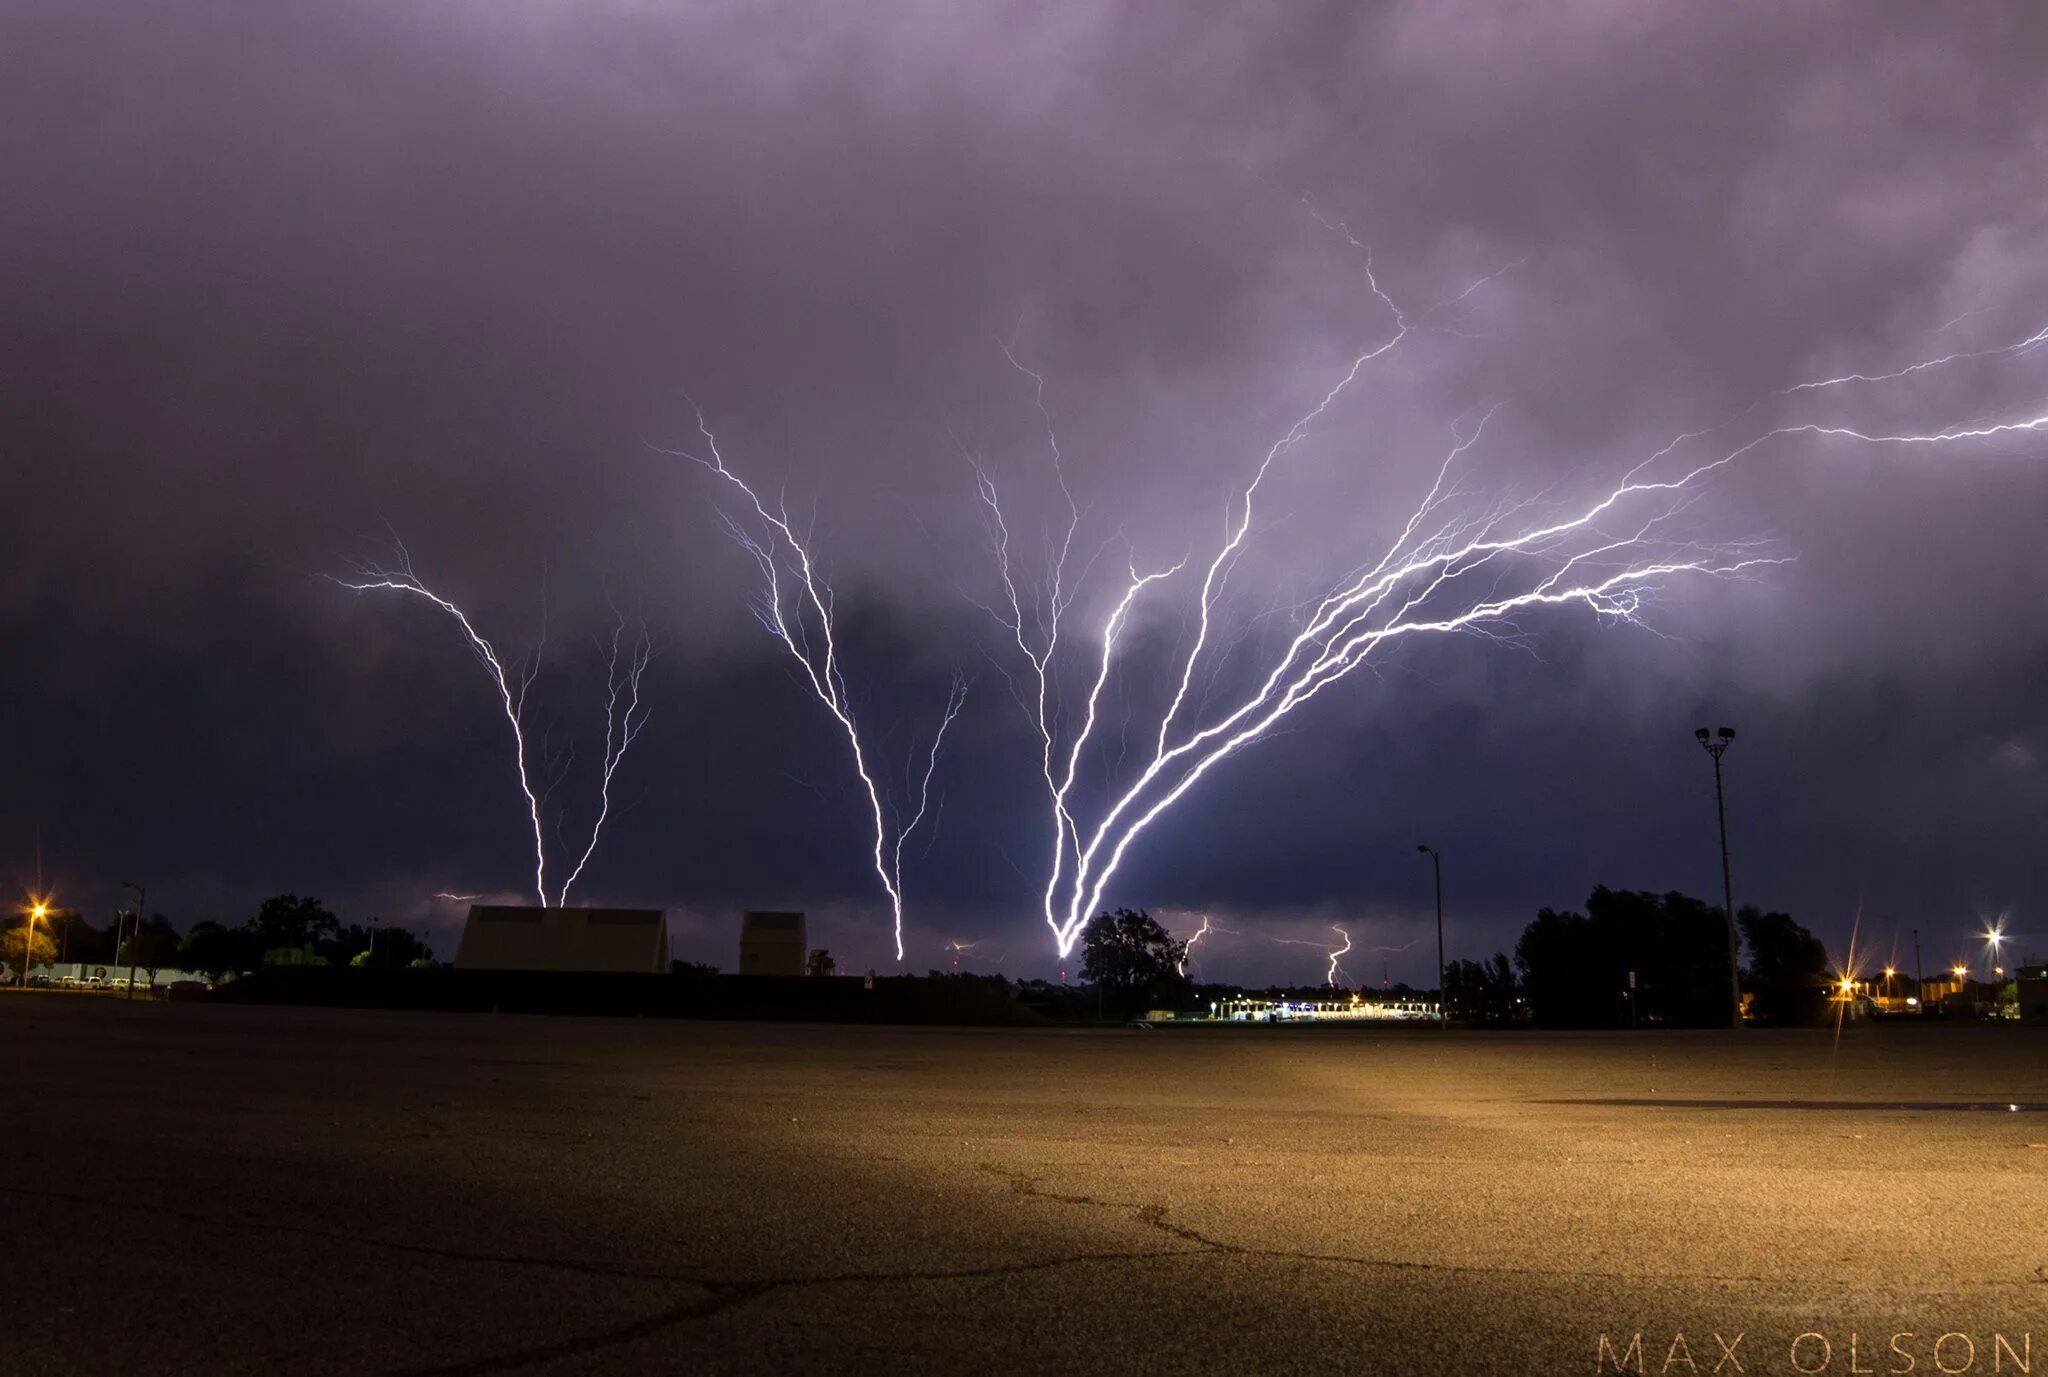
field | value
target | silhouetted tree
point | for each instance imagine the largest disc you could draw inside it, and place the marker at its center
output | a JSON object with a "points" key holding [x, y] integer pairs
{"points": [[1481, 991], [1132, 959], [288, 921], [1575, 967], [218, 952], [76, 939], [1788, 968], [151, 946]]}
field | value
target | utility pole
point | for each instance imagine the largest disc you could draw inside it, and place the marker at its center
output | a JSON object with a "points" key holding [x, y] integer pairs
{"points": [[1919, 975], [1715, 745], [1442, 987], [141, 907]]}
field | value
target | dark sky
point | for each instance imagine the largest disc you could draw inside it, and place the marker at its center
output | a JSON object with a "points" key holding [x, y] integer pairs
{"points": [[274, 276]]}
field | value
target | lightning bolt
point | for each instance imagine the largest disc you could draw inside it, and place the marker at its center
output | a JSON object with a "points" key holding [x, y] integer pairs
{"points": [[790, 616], [1446, 572], [1188, 947], [1332, 953], [625, 712]]}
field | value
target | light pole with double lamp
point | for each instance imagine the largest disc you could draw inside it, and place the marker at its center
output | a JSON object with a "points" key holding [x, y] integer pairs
{"points": [[1443, 1008], [1716, 744]]}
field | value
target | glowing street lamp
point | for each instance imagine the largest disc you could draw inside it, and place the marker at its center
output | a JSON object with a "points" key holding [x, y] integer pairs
{"points": [[39, 909], [1994, 938]]}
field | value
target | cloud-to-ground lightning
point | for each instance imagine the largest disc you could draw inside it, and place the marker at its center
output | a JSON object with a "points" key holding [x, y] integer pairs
{"points": [[1187, 948], [1448, 570], [795, 606], [627, 655], [1333, 953]]}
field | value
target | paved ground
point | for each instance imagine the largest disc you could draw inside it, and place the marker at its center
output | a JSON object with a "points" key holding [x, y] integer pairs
{"points": [[199, 1189]]}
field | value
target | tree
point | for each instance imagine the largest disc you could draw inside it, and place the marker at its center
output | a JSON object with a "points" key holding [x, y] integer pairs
{"points": [[1481, 991], [1787, 967], [41, 951], [286, 920], [1132, 959], [1632, 956], [151, 947], [218, 952], [76, 939]]}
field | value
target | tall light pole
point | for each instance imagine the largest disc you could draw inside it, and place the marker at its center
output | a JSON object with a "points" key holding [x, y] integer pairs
{"points": [[1715, 744], [141, 907], [1919, 975], [1442, 986], [28, 938]]}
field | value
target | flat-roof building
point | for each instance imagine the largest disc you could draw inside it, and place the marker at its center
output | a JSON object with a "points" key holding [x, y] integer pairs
{"points": [[772, 943], [501, 937]]}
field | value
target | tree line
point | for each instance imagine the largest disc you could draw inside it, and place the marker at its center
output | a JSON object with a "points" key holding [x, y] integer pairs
{"points": [[287, 930], [1632, 958]]}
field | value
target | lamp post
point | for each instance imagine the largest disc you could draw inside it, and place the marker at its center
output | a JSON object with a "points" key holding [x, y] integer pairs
{"points": [[1442, 986], [1715, 745], [141, 907], [28, 938], [1919, 973]]}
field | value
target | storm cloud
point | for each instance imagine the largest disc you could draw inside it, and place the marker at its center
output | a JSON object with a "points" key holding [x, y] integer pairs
{"points": [[277, 279]]}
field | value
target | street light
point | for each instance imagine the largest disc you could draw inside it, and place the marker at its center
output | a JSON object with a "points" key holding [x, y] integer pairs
{"points": [[141, 907], [40, 908], [1715, 744], [1442, 990], [1994, 937]]}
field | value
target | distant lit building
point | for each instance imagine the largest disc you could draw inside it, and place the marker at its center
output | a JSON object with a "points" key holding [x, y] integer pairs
{"points": [[506, 938], [1352, 1008], [772, 943]]}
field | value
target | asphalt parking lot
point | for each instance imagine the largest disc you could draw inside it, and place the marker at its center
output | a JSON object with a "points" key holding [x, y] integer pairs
{"points": [[193, 1188]]}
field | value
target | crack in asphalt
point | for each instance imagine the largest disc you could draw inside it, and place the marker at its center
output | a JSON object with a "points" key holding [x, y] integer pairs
{"points": [[343, 1236], [727, 1295], [721, 1295], [1154, 1216]]}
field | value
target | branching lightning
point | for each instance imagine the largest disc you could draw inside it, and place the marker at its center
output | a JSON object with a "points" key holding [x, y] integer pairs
{"points": [[1187, 948], [627, 654], [795, 604], [1475, 572], [1333, 953]]}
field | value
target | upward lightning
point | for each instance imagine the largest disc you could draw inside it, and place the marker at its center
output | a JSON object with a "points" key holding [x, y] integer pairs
{"points": [[626, 660], [1473, 572], [795, 602]]}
